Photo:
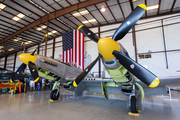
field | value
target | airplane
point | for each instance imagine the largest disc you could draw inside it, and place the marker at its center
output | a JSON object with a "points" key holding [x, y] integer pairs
{"points": [[117, 62], [5, 75]]}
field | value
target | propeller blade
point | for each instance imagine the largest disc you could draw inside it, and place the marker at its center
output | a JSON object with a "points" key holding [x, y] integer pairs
{"points": [[39, 44], [83, 29], [129, 22], [33, 70], [18, 72], [136, 69], [85, 72], [24, 47]]}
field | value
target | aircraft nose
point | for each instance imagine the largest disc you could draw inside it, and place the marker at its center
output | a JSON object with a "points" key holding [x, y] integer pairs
{"points": [[26, 57], [106, 46]]}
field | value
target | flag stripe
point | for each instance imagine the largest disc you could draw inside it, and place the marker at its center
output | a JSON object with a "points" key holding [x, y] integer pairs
{"points": [[73, 48]]}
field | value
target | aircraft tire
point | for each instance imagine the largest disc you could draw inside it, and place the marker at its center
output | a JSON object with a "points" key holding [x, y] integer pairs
{"points": [[133, 104], [54, 95]]}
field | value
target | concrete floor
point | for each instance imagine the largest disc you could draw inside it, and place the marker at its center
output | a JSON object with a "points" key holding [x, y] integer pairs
{"points": [[90, 106]]}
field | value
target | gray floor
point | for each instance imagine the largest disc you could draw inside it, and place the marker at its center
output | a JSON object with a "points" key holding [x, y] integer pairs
{"points": [[90, 106]]}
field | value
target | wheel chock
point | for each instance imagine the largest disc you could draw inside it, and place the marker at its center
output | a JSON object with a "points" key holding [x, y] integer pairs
{"points": [[51, 100], [134, 114], [59, 98]]}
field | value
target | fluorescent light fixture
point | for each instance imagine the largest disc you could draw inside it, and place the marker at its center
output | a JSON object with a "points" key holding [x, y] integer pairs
{"points": [[103, 9], [1, 47], [20, 15], [80, 13], [11, 49], [76, 14], [2, 6], [134, 0], [43, 26], [38, 29], [92, 20], [85, 22], [49, 33], [16, 18], [15, 40], [152, 7], [54, 31], [84, 12]]}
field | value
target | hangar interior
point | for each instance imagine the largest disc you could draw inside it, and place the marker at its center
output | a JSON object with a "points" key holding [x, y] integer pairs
{"points": [[153, 42]]}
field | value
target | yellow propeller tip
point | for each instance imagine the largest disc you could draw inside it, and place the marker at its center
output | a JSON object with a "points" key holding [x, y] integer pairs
{"points": [[11, 81], [80, 26], [21, 43], [46, 35], [155, 83], [36, 79], [74, 84], [142, 6]]}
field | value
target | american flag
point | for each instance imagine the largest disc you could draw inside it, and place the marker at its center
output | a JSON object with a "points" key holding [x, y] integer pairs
{"points": [[73, 48]]}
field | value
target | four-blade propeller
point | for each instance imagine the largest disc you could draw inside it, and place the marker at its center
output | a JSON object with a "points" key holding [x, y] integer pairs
{"points": [[27, 59], [136, 69]]}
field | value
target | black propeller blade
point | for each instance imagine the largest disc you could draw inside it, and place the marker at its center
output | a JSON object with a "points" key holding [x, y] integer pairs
{"points": [[83, 29], [33, 70], [24, 47], [129, 22], [18, 72], [136, 69], [39, 44], [85, 72]]}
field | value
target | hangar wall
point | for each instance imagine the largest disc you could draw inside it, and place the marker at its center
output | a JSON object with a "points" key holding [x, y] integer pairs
{"points": [[149, 37]]}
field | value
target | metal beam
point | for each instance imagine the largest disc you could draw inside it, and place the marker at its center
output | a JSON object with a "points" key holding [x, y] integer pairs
{"points": [[54, 15], [173, 5]]}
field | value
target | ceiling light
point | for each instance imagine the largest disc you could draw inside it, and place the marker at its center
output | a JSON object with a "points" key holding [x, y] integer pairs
{"points": [[29, 41], [54, 31], [49, 33], [134, 0], [103, 9], [38, 29], [2, 6], [15, 40], [85, 21], [92, 20], [2, 51], [84, 12], [76, 14], [1, 47], [20, 15], [152, 7], [16, 18], [11, 49], [43, 26]]}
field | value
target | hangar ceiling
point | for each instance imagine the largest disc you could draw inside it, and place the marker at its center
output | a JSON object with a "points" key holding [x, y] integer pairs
{"points": [[26, 20]]}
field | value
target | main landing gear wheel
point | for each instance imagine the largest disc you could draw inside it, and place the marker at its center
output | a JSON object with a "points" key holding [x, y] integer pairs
{"points": [[133, 104], [54, 94]]}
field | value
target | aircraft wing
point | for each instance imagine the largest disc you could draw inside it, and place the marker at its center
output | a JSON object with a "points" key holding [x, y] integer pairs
{"points": [[94, 85]]}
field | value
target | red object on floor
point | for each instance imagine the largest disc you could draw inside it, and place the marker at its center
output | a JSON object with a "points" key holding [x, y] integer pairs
{"points": [[19, 88], [178, 71], [6, 86]]}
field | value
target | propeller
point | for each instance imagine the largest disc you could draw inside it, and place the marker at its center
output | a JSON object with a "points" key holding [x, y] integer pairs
{"points": [[86, 71], [109, 48], [88, 33], [136, 69], [129, 22], [28, 59]]}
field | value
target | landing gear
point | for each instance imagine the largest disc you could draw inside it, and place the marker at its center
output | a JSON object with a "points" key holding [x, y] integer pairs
{"points": [[133, 104], [54, 94]]}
